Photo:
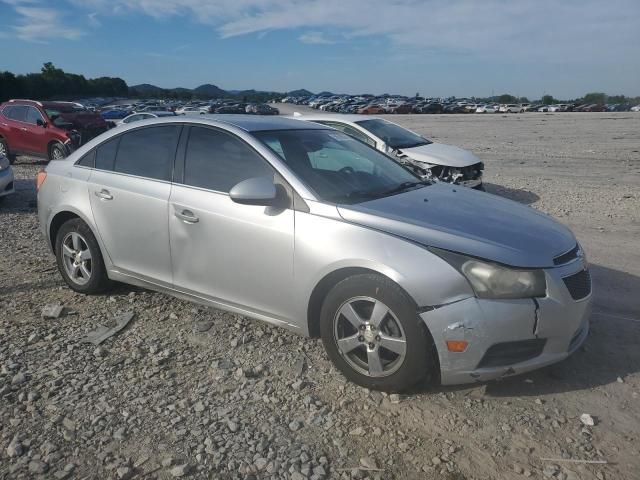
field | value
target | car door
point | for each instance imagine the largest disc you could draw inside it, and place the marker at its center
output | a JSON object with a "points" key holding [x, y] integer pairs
{"points": [[16, 125], [237, 255], [35, 136], [129, 190]]}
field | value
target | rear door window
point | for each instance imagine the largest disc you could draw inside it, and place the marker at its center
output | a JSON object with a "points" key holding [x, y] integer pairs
{"points": [[18, 113], [106, 154], [148, 152], [217, 161]]}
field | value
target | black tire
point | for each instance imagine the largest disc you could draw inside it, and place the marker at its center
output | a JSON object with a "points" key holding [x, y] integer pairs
{"points": [[98, 281], [7, 152], [57, 151], [420, 362]]}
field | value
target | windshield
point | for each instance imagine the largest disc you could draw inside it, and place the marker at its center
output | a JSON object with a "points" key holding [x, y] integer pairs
{"points": [[393, 135], [337, 167]]}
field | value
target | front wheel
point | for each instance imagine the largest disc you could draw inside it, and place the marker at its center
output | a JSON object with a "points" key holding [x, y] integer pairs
{"points": [[57, 152], [79, 258], [4, 151], [373, 334]]}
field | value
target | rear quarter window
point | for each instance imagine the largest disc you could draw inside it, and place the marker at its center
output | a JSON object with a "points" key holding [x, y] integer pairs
{"points": [[148, 152]]}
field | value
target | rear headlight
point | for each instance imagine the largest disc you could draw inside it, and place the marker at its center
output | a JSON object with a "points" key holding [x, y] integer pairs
{"points": [[40, 178]]}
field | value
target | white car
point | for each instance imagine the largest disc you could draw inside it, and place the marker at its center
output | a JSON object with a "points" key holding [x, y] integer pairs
{"points": [[435, 161], [636, 108], [192, 110], [135, 117], [6, 177], [487, 109], [511, 108]]}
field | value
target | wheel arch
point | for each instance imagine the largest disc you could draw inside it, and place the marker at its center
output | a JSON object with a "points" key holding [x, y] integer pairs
{"points": [[322, 288]]}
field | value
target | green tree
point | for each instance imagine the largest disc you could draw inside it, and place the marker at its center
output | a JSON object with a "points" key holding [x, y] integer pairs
{"points": [[548, 100], [507, 98], [595, 97]]}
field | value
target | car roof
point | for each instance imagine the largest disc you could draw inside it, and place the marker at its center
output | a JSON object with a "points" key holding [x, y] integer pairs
{"points": [[336, 117], [248, 123], [253, 123]]}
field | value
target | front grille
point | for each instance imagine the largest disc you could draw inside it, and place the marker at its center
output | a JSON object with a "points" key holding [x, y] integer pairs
{"points": [[567, 257], [578, 284], [509, 353]]}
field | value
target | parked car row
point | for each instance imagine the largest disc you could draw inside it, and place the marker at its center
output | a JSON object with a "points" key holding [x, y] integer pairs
{"points": [[370, 105]]}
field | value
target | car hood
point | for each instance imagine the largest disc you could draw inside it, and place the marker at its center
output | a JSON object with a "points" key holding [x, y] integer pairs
{"points": [[441, 154], [467, 221]]}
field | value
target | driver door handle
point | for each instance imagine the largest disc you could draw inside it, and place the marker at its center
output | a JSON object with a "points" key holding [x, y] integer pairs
{"points": [[187, 216], [103, 194]]}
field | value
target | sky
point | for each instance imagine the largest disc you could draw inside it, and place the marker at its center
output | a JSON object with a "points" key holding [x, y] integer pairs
{"points": [[565, 48]]}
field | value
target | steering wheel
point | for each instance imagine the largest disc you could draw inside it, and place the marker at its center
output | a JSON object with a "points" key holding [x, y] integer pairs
{"points": [[348, 170]]}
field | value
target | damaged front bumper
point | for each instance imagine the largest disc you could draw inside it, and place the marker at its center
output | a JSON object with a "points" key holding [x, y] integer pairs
{"points": [[509, 337], [469, 176]]}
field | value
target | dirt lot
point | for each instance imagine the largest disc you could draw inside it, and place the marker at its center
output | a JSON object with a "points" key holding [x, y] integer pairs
{"points": [[186, 391]]}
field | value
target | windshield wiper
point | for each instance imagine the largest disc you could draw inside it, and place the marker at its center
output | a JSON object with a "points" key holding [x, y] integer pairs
{"points": [[404, 186]]}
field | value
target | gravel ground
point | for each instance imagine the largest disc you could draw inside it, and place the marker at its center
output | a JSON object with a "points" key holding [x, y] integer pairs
{"points": [[186, 391]]}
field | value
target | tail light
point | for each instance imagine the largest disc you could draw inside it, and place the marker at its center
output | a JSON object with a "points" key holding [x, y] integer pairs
{"points": [[40, 178]]}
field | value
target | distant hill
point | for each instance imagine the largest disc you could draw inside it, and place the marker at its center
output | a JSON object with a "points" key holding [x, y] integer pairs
{"points": [[300, 93], [210, 91]]}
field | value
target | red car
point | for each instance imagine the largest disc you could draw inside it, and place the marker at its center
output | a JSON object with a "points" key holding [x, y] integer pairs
{"points": [[46, 129], [371, 110]]}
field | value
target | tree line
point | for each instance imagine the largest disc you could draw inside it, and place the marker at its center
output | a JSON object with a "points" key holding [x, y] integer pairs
{"points": [[54, 83]]}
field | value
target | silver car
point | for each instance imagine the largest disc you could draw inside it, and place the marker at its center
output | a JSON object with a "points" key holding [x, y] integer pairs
{"points": [[305, 227]]}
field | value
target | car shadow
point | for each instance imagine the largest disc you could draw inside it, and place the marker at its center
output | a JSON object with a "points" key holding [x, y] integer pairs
{"points": [[610, 352], [522, 196]]}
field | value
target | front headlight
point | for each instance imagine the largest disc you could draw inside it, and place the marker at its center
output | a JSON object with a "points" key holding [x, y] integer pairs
{"points": [[490, 280]]}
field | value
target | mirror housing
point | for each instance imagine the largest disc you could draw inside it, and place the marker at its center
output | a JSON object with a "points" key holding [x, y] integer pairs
{"points": [[41, 123], [255, 191]]}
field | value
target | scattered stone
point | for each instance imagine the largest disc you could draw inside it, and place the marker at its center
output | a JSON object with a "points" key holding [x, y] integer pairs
{"points": [[295, 425], [18, 379], [52, 311], [300, 366], [395, 398], [180, 470], [15, 449], [38, 467], [203, 326], [124, 473], [587, 419], [357, 432], [436, 460], [518, 469], [368, 462]]}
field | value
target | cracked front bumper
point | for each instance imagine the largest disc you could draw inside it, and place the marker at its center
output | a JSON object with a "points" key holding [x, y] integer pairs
{"points": [[557, 325]]}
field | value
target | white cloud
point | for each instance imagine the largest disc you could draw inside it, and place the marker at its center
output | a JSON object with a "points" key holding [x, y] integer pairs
{"points": [[315, 38], [541, 30], [39, 24]]}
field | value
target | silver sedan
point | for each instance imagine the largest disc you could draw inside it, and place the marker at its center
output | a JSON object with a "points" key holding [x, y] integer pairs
{"points": [[304, 227]]}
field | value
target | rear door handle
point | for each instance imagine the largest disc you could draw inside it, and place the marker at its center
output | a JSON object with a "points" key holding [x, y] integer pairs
{"points": [[104, 194], [187, 216]]}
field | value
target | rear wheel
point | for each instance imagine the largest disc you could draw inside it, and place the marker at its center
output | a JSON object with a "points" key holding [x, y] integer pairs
{"points": [[4, 151], [79, 258], [373, 334], [57, 152]]}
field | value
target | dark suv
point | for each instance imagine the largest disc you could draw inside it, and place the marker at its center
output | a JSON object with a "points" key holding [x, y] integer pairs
{"points": [[46, 129]]}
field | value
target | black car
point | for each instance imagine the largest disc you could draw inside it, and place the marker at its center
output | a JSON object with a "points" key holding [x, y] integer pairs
{"points": [[237, 108]]}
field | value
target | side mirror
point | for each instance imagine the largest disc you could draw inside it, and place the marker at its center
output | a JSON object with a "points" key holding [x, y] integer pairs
{"points": [[255, 191], [41, 123]]}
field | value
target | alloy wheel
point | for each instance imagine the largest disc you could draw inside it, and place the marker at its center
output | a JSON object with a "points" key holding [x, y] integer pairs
{"points": [[76, 258], [369, 337], [3, 149], [57, 154]]}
